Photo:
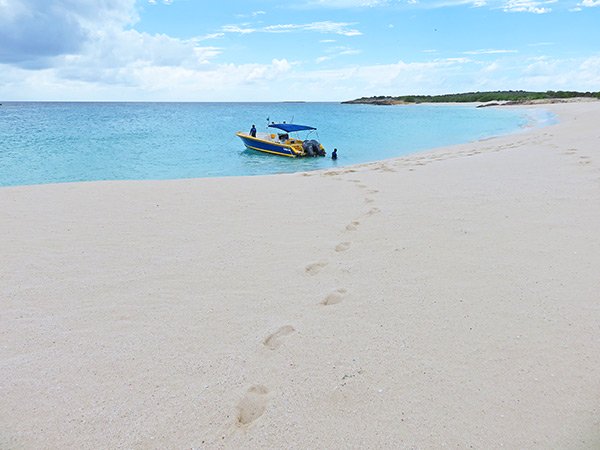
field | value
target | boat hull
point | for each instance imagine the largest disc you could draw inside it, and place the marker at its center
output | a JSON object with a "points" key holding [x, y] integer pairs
{"points": [[265, 146]]}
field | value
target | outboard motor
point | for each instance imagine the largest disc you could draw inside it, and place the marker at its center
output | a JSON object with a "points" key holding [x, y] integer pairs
{"points": [[312, 148], [307, 147]]}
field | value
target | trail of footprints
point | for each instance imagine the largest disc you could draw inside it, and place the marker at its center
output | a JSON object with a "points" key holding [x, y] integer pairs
{"points": [[315, 268], [254, 403], [413, 162], [582, 160]]}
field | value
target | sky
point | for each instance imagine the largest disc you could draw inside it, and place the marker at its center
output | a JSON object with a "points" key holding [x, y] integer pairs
{"points": [[303, 50]]}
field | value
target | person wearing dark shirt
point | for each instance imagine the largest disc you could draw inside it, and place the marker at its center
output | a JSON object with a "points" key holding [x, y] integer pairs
{"points": [[253, 131], [334, 154]]}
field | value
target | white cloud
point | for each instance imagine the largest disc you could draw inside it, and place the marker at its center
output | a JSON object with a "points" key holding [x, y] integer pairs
{"points": [[261, 82], [334, 52], [206, 37], [436, 4], [238, 29], [346, 3], [252, 14], [531, 6], [89, 41], [490, 68], [326, 27], [147, 82], [545, 73], [488, 52], [88, 50], [32, 32]]}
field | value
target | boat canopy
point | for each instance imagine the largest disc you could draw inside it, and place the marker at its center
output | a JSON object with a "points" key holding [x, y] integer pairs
{"points": [[290, 127]]}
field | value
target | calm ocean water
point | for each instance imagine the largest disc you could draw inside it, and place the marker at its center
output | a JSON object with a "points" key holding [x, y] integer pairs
{"points": [[64, 142]]}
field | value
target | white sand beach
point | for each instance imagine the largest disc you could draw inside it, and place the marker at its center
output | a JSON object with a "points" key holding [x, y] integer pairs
{"points": [[445, 299]]}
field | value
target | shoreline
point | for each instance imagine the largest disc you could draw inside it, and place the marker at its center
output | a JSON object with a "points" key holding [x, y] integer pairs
{"points": [[446, 298], [536, 124]]}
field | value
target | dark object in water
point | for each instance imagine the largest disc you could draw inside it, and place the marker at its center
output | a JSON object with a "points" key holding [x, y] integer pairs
{"points": [[313, 148]]}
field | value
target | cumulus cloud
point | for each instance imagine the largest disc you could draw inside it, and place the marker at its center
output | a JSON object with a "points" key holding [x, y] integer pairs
{"points": [[34, 31], [260, 82], [91, 41], [149, 82], [544, 73], [590, 3], [117, 57], [89, 50]]}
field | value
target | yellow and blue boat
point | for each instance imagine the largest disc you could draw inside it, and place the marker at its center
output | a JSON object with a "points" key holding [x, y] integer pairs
{"points": [[280, 143]]}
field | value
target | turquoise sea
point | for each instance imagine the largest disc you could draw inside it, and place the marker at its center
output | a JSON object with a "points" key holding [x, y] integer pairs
{"points": [[65, 142]]}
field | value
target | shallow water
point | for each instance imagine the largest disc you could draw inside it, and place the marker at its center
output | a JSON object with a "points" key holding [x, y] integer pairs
{"points": [[64, 142]]}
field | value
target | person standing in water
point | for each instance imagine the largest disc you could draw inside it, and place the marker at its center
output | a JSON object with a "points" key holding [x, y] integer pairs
{"points": [[334, 154]]}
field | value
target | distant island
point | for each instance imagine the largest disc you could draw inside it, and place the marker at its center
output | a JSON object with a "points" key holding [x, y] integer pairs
{"points": [[510, 97]]}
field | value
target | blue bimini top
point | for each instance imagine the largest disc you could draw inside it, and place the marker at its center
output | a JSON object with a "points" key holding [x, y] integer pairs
{"points": [[290, 127]]}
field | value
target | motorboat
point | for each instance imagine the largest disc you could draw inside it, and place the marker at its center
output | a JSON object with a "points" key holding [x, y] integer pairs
{"points": [[281, 143]]}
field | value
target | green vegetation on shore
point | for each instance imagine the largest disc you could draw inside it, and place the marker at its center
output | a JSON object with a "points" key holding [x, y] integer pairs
{"points": [[503, 96]]}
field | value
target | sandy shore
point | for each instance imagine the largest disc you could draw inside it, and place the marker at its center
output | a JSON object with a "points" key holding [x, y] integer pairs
{"points": [[446, 299]]}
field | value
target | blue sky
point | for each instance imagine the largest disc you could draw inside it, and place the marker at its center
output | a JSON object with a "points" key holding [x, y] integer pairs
{"points": [[266, 50]]}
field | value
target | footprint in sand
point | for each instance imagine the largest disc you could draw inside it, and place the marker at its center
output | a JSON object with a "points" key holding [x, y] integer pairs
{"points": [[342, 247], [352, 226], [373, 211], [369, 200], [372, 191], [315, 268], [252, 406], [273, 341], [334, 297], [583, 160]]}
